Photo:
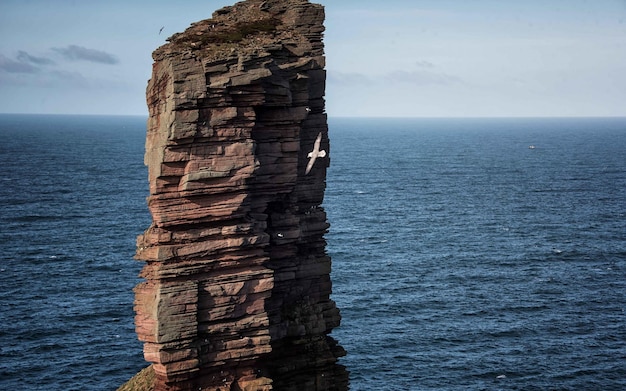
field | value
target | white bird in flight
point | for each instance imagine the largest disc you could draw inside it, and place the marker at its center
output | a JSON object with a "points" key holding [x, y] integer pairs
{"points": [[315, 153]]}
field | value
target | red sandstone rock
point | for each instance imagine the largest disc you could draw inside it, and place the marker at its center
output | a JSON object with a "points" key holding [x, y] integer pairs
{"points": [[237, 288]]}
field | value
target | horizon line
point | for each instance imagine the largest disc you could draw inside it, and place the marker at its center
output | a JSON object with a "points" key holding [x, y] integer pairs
{"points": [[373, 117]]}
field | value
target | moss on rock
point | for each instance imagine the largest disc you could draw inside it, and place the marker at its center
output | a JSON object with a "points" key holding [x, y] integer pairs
{"points": [[142, 381]]}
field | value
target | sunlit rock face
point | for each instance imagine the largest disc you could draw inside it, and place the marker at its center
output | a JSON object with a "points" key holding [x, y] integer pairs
{"points": [[237, 280]]}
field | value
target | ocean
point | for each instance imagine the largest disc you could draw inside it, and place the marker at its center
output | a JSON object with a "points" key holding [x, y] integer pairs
{"points": [[468, 254]]}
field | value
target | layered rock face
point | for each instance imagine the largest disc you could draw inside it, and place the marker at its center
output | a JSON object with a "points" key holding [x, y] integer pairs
{"points": [[237, 287]]}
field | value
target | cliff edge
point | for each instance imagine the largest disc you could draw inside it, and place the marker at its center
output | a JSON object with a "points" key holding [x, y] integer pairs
{"points": [[237, 280]]}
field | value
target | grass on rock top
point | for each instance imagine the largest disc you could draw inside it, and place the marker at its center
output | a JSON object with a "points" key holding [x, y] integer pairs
{"points": [[233, 34]]}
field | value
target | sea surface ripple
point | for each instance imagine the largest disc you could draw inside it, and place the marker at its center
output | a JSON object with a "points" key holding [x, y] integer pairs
{"points": [[462, 258]]}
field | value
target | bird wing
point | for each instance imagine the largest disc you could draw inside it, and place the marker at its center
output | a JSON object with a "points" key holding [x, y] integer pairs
{"points": [[309, 166], [318, 141]]}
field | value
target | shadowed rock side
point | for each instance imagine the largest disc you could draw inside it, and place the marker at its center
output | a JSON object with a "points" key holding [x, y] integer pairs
{"points": [[237, 281]]}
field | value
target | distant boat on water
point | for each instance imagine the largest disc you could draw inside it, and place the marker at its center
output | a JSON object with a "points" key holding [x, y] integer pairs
{"points": [[531, 147]]}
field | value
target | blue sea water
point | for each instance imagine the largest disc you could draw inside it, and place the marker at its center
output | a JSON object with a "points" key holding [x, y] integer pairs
{"points": [[462, 258], [72, 199]]}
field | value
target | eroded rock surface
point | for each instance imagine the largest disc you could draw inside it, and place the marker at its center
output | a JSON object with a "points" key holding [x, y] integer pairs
{"points": [[237, 287]]}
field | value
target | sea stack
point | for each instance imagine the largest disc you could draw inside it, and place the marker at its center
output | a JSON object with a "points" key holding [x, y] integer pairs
{"points": [[237, 279]]}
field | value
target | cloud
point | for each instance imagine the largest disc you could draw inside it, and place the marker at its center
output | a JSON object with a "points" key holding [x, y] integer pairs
{"points": [[420, 77], [24, 57], [69, 79], [12, 66], [65, 80], [79, 53], [26, 70], [424, 64], [351, 78]]}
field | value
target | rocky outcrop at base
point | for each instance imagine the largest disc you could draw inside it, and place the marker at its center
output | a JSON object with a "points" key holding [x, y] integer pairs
{"points": [[237, 280], [142, 381]]}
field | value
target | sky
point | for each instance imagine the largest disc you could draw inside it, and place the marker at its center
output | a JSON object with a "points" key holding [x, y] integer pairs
{"points": [[392, 58]]}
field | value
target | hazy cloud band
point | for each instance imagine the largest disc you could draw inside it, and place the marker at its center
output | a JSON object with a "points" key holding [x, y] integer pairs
{"points": [[23, 56], [79, 53], [12, 66]]}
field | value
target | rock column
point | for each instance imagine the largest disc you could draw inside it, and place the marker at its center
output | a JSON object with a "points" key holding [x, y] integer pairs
{"points": [[237, 280]]}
